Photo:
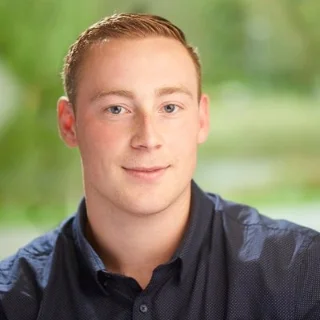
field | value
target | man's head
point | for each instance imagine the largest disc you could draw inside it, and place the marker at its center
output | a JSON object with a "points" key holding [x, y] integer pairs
{"points": [[120, 26], [134, 85]]}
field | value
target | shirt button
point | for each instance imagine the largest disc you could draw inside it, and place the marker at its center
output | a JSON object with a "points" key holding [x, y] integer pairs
{"points": [[143, 308]]}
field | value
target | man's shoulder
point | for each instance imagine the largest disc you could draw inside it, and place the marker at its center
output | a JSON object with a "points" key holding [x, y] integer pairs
{"points": [[32, 260], [246, 216], [251, 231], [277, 257]]}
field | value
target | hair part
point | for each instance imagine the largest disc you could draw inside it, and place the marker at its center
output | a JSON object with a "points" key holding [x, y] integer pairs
{"points": [[120, 26]]}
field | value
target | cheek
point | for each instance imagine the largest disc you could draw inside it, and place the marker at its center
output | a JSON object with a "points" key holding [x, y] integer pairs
{"points": [[183, 139], [98, 138]]}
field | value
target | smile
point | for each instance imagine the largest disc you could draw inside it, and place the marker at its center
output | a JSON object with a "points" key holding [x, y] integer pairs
{"points": [[146, 173]]}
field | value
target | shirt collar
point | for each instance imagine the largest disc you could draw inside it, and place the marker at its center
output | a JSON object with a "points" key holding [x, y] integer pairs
{"points": [[88, 254], [201, 214]]}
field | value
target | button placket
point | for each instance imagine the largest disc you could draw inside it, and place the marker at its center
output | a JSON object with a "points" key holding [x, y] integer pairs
{"points": [[143, 308]]}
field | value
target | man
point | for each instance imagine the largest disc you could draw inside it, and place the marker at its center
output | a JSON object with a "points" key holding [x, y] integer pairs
{"points": [[147, 242]]}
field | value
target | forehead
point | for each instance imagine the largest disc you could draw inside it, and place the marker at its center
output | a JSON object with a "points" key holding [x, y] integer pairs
{"points": [[137, 64]]}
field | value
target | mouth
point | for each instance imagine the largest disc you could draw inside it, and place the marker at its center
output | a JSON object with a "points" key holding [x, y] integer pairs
{"points": [[146, 169], [146, 173]]}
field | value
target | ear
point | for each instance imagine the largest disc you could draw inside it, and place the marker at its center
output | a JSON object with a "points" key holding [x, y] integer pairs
{"points": [[204, 118], [66, 122]]}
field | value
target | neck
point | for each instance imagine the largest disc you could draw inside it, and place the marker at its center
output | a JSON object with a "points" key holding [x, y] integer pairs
{"points": [[135, 245]]}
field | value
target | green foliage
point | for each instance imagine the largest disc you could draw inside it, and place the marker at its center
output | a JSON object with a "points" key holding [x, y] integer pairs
{"points": [[269, 46]]}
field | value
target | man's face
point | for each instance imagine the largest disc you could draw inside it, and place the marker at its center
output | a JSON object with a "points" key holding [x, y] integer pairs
{"points": [[138, 122]]}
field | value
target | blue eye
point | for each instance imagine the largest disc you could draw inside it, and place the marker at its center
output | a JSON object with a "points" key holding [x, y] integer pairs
{"points": [[115, 109], [170, 108]]}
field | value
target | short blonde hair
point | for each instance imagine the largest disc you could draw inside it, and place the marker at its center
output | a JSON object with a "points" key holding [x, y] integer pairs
{"points": [[123, 25]]}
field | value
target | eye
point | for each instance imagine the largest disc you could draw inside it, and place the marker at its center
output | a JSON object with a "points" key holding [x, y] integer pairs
{"points": [[115, 109], [170, 108]]}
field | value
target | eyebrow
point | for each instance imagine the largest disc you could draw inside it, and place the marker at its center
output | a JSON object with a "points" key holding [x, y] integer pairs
{"points": [[171, 90], [120, 93], [163, 91]]}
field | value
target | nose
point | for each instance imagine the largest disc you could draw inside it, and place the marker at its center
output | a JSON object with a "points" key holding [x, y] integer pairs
{"points": [[145, 134]]}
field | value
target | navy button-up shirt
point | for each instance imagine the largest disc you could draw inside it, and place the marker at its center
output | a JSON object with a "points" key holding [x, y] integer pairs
{"points": [[232, 264]]}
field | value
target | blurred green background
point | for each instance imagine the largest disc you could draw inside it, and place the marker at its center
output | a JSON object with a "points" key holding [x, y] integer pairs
{"points": [[261, 69]]}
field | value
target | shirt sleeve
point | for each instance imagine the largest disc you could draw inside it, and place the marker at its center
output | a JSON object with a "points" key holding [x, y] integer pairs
{"points": [[308, 283]]}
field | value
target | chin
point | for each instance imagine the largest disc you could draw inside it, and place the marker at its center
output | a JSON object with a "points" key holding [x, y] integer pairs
{"points": [[145, 208]]}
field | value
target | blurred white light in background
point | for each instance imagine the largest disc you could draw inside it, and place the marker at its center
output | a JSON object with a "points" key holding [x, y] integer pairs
{"points": [[9, 93]]}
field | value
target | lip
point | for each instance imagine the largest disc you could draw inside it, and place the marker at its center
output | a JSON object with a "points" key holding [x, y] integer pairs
{"points": [[146, 173], [146, 169]]}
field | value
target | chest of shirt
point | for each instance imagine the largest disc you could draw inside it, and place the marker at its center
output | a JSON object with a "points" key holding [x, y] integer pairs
{"points": [[224, 290]]}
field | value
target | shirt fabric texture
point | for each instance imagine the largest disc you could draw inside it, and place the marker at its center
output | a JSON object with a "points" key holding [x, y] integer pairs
{"points": [[233, 264]]}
